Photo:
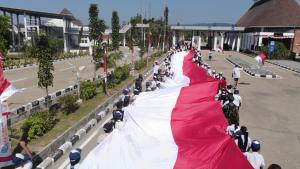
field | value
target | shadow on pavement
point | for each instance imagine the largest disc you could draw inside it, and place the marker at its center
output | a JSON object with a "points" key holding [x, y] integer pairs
{"points": [[244, 83]]}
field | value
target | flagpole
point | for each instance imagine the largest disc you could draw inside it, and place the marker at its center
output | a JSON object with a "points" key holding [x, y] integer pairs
{"points": [[105, 69]]}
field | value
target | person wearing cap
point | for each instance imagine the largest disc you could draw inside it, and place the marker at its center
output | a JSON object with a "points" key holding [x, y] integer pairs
{"points": [[213, 73], [236, 74], [220, 76], [138, 84], [242, 139], [148, 86], [75, 156], [254, 157], [22, 161], [126, 98]]}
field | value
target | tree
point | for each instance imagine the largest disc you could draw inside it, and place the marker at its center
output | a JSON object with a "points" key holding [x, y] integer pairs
{"points": [[93, 14], [4, 33], [166, 15], [45, 72], [115, 25], [96, 30]]}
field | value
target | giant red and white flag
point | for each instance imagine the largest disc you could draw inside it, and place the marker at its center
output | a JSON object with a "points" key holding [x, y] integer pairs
{"points": [[179, 127]]}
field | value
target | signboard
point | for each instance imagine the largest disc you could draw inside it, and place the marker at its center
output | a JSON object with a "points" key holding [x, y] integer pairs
{"points": [[272, 47]]}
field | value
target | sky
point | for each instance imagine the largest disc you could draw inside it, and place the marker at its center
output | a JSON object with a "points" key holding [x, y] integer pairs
{"points": [[181, 11]]}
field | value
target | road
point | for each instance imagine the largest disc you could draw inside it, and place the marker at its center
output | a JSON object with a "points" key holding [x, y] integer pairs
{"points": [[270, 110], [63, 77]]}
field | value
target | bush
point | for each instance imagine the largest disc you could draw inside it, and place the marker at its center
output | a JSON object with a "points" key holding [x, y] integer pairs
{"points": [[157, 54], [281, 51], [87, 90], [39, 123], [138, 65], [68, 104], [120, 74]]}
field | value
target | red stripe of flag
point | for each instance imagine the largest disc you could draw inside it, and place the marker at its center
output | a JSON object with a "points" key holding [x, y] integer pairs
{"points": [[198, 125], [5, 159]]}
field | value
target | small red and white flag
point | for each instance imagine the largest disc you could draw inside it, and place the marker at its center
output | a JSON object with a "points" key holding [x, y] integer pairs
{"points": [[261, 59], [6, 88]]}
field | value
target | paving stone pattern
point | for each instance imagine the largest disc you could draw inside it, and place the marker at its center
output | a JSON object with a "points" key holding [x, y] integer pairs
{"points": [[288, 64], [252, 69]]}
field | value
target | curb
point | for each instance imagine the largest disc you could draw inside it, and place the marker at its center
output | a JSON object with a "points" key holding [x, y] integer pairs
{"points": [[35, 65], [254, 74], [286, 67], [67, 145]]}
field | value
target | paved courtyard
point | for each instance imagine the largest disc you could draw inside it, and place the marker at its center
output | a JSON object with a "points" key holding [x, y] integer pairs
{"points": [[292, 65], [270, 110]]}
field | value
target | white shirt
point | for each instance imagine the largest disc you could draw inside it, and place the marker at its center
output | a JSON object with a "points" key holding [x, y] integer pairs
{"points": [[231, 129], [153, 84], [237, 100], [28, 165], [255, 159], [209, 71], [155, 69], [236, 72]]}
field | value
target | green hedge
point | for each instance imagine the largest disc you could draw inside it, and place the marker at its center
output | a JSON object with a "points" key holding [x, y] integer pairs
{"points": [[68, 104], [120, 74], [87, 90], [140, 64], [37, 124]]}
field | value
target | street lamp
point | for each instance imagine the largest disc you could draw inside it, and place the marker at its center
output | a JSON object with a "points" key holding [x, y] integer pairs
{"points": [[77, 73]]}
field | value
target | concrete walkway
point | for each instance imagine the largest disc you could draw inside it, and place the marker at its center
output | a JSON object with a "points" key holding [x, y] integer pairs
{"points": [[288, 64], [270, 109], [251, 69]]}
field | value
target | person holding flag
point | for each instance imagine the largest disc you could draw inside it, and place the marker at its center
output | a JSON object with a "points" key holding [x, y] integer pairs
{"points": [[261, 59], [6, 90]]}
